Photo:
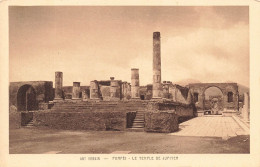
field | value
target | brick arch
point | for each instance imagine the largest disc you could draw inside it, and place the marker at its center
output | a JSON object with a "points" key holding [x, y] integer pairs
{"points": [[222, 90], [200, 88], [26, 98], [211, 86]]}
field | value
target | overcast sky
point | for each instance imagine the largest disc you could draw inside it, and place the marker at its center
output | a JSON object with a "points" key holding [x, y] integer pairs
{"points": [[209, 44]]}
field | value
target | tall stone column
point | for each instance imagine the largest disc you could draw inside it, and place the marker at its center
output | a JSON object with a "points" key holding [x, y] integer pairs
{"points": [[135, 83], [75, 90], [94, 90], [157, 86], [246, 107], [58, 85]]}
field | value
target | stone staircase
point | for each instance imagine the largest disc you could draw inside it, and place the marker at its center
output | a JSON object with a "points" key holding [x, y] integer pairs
{"points": [[138, 122], [29, 124]]}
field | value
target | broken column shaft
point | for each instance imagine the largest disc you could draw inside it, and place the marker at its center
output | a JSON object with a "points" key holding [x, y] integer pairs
{"points": [[135, 83], [58, 85], [157, 87], [94, 94], [114, 89], [76, 90]]}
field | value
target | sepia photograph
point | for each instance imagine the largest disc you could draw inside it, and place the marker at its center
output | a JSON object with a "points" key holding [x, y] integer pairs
{"points": [[116, 78], [117, 84]]}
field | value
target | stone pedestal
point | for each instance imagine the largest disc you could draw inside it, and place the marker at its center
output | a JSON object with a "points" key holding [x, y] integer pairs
{"points": [[58, 86], [76, 90], [94, 93], [135, 83], [157, 86]]}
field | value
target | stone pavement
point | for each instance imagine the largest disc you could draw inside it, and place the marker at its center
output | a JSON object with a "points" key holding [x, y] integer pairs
{"points": [[210, 126]]}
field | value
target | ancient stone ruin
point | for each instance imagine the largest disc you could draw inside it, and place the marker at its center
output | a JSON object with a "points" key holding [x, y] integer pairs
{"points": [[114, 104]]}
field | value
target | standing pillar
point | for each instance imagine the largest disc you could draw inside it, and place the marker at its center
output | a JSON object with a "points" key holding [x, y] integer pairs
{"points": [[114, 89], [76, 90], [58, 85], [94, 90], [135, 83], [157, 86], [246, 107]]}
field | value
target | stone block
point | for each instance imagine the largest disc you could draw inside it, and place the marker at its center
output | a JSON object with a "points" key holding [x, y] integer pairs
{"points": [[161, 121], [84, 120]]}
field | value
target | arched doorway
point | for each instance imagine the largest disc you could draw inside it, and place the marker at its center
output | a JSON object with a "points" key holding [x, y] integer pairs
{"points": [[213, 100], [26, 98]]}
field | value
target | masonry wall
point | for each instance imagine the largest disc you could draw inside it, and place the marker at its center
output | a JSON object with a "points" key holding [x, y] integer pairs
{"points": [[200, 89], [165, 116], [67, 91], [182, 110], [163, 122], [88, 120], [43, 89]]}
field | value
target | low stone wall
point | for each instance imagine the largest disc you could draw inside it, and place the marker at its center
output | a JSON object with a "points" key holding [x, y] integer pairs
{"points": [[229, 113], [162, 121], [87, 120]]}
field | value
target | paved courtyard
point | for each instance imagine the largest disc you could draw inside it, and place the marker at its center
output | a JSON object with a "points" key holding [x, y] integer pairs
{"points": [[211, 126]]}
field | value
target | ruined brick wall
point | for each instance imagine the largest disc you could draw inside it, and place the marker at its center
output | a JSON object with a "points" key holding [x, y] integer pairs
{"points": [[200, 89], [178, 94], [87, 120], [163, 121], [105, 92], [175, 93], [43, 89], [182, 110], [67, 91], [126, 90]]}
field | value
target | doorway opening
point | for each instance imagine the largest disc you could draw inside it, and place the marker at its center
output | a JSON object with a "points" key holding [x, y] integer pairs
{"points": [[213, 101]]}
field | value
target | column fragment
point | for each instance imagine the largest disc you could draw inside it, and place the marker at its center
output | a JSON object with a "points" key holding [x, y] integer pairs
{"points": [[75, 90], [58, 85], [135, 83]]}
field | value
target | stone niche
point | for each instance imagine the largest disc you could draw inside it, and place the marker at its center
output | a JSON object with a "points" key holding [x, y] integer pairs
{"points": [[161, 121]]}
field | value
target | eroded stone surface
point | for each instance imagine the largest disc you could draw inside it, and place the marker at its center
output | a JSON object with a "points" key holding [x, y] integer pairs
{"points": [[163, 121]]}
